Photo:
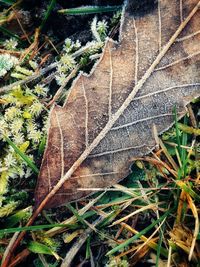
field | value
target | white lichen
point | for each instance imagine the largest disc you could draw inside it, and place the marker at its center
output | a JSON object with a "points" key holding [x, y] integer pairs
{"points": [[7, 62], [41, 90], [10, 44]]}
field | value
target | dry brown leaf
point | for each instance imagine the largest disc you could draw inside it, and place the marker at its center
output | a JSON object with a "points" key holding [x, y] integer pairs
{"points": [[107, 118]]}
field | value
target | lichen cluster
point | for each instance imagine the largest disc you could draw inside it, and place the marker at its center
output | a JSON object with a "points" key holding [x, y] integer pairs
{"points": [[23, 115], [7, 62], [73, 53], [23, 119]]}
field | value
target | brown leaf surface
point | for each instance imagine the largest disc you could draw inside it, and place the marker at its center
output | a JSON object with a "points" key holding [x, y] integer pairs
{"points": [[108, 116]]}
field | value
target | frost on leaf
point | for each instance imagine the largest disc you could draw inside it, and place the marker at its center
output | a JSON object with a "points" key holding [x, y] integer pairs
{"points": [[108, 116]]}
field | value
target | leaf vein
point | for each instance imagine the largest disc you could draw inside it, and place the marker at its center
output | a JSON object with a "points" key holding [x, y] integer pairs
{"points": [[141, 120], [136, 51], [159, 27], [166, 89], [188, 36], [116, 151], [61, 145], [86, 115], [110, 85], [178, 61], [181, 11]]}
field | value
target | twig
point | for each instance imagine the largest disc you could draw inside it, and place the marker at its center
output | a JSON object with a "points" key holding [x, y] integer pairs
{"points": [[20, 25], [20, 257], [33, 46], [42, 71], [60, 90], [12, 52], [28, 79]]}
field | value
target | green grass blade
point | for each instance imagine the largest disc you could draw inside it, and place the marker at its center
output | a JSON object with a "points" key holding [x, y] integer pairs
{"points": [[30, 228], [87, 252], [10, 34], [17, 217], [184, 158], [48, 12], [108, 218], [40, 248], [177, 131], [74, 211], [159, 247], [89, 10], [188, 190], [7, 2], [23, 156], [137, 236], [41, 146]]}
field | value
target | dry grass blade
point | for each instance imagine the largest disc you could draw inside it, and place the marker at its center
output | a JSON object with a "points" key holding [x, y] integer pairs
{"points": [[182, 199], [32, 47], [73, 219], [147, 241], [169, 157], [150, 206], [28, 79], [196, 230], [60, 90], [169, 257], [159, 162], [12, 240]]}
